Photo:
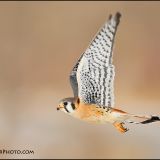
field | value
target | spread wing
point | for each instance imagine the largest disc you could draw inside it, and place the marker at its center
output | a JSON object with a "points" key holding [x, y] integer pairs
{"points": [[93, 75]]}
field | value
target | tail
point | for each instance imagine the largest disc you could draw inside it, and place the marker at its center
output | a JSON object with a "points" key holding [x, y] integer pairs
{"points": [[142, 119], [120, 117]]}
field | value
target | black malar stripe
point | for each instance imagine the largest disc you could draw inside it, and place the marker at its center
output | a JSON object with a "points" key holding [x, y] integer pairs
{"points": [[66, 109]]}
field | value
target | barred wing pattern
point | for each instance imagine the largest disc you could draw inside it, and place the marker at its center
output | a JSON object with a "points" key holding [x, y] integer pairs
{"points": [[94, 70]]}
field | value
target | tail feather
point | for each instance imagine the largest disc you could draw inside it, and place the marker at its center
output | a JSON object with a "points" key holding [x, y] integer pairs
{"points": [[120, 117], [142, 119], [152, 119]]}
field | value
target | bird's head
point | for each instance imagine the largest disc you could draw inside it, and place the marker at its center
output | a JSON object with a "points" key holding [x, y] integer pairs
{"points": [[68, 105]]}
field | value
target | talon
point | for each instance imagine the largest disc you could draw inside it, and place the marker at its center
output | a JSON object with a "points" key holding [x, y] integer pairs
{"points": [[120, 127], [126, 129]]}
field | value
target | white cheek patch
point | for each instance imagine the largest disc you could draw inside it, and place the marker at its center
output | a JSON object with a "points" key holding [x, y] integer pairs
{"points": [[69, 108]]}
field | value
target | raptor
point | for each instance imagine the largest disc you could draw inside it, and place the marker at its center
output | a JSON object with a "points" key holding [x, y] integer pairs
{"points": [[92, 81]]}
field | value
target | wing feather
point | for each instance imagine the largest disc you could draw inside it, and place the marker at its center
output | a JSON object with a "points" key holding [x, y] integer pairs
{"points": [[94, 72]]}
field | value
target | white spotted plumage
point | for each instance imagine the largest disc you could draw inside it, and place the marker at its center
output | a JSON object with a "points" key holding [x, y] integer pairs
{"points": [[94, 70]]}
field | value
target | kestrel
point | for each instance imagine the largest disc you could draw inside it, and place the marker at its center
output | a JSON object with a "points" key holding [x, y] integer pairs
{"points": [[92, 81]]}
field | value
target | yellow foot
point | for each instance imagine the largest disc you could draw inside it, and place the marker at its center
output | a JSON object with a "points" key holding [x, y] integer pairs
{"points": [[120, 127]]}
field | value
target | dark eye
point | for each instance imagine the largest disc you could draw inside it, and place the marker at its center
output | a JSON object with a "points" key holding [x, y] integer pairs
{"points": [[65, 103]]}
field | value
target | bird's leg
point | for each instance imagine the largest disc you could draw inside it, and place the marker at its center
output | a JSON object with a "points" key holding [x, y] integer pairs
{"points": [[120, 127]]}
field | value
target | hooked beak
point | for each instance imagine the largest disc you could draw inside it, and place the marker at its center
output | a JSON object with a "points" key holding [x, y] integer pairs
{"points": [[59, 107]]}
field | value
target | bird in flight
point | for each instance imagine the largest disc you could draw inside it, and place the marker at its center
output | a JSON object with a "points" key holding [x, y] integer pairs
{"points": [[92, 81]]}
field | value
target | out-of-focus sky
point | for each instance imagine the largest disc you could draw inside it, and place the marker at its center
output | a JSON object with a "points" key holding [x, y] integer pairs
{"points": [[39, 44]]}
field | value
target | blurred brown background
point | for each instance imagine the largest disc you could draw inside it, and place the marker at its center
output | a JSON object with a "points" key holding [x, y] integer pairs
{"points": [[39, 44]]}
